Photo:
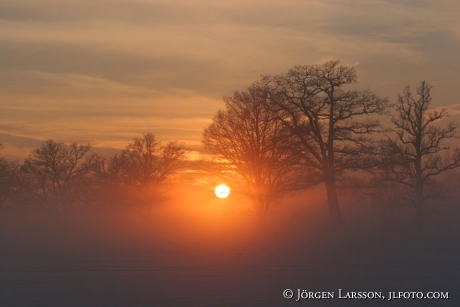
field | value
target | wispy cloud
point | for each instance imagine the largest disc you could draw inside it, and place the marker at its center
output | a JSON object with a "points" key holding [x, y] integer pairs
{"points": [[102, 70]]}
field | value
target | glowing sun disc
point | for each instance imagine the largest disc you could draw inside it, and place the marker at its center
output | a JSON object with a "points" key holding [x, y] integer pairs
{"points": [[222, 191]]}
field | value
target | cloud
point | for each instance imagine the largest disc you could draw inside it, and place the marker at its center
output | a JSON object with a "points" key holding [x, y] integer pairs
{"points": [[105, 70], [453, 110]]}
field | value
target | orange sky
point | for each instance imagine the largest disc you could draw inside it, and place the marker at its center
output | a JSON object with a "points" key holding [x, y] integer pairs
{"points": [[104, 71]]}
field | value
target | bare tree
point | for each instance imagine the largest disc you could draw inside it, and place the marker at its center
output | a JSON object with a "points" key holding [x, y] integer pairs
{"points": [[55, 172], [8, 179], [332, 125], [413, 154], [135, 172], [107, 169], [148, 164], [255, 146]]}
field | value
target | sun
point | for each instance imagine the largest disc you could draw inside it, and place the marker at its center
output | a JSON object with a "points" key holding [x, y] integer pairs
{"points": [[222, 191]]}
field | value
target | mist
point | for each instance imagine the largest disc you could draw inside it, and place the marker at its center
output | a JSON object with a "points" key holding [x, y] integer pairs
{"points": [[190, 248]]}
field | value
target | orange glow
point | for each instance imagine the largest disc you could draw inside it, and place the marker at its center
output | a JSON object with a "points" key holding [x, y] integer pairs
{"points": [[222, 191]]}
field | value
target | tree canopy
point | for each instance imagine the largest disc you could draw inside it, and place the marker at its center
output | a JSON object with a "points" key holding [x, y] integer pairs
{"points": [[257, 148], [332, 125], [417, 149]]}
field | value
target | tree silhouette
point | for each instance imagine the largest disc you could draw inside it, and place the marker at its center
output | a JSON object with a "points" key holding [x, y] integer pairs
{"points": [[326, 119], [147, 164], [255, 147], [413, 154], [8, 179], [55, 173]]}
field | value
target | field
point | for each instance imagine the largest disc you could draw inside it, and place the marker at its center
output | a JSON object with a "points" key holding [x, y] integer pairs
{"points": [[201, 251]]}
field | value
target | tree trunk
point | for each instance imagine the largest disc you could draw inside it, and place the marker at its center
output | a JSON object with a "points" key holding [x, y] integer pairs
{"points": [[262, 208], [334, 209], [419, 188], [419, 207]]}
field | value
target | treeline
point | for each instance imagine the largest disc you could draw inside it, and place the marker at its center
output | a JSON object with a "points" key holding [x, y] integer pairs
{"points": [[56, 175], [290, 131], [284, 133]]}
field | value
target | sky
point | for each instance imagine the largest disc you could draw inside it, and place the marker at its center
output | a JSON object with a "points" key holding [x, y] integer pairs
{"points": [[105, 71]]}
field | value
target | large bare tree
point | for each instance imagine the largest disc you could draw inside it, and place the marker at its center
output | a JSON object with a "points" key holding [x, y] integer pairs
{"points": [[332, 125], [255, 146], [418, 149]]}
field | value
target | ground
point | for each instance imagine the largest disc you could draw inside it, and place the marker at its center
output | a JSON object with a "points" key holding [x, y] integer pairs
{"points": [[163, 256]]}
